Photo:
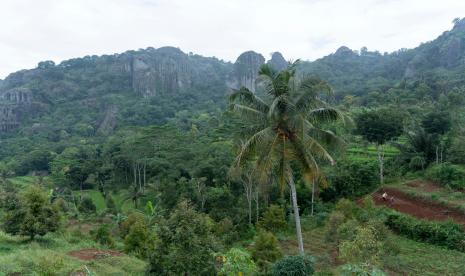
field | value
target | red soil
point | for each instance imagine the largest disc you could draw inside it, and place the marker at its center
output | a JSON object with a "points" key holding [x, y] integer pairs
{"points": [[92, 254], [417, 207]]}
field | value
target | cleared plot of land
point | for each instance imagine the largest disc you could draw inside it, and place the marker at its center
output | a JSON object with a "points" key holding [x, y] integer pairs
{"points": [[417, 207], [431, 191]]}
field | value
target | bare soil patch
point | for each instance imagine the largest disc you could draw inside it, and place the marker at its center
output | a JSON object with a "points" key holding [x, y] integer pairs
{"points": [[417, 207], [92, 254]]}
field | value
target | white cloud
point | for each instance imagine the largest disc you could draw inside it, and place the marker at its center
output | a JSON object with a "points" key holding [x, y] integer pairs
{"points": [[32, 31]]}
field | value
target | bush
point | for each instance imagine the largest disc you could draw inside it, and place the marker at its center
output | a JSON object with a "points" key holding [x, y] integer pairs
{"points": [[87, 206], [448, 234], [103, 235], [61, 205], [111, 205], [237, 262], [299, 265], [448, 175], [226, 230], [346, 207], [185, 244], [351, 178], [131, 220], [138, 240], [274, 219], [33, 216], [334, 221], [361, 270], [364, 248], [265, 250]]}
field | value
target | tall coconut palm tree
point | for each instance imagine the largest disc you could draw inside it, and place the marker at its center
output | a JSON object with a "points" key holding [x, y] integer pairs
{"points": [[284, 129]]}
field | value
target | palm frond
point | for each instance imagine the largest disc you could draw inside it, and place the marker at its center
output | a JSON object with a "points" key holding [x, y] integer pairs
{"points": [[325, 115], [247, 149], [246, 97]]}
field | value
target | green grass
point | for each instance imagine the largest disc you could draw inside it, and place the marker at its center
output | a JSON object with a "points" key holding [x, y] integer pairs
{"points": [[97, 198], [48, 256], [417, 258], [24, 181], [121, 202]]}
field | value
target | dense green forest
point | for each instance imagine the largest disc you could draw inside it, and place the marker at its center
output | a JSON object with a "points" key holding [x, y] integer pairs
{"points": [[160, 162]]}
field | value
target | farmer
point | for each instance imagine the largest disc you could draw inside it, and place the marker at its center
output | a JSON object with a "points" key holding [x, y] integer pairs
{"points": [[385, 196]]}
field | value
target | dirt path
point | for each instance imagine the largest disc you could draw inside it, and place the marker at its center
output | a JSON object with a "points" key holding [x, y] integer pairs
{"points": [[92, 254], [417, 207]]}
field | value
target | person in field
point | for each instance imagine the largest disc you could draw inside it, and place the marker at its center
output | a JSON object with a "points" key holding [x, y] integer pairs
{"points": [[385, 196]]}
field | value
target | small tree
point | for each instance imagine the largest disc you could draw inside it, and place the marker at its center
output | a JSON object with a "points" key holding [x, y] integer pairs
{"points": [[265, 250], [34, 216], [300, 265], [138, 239], [273, 219], [378, 127], [103, 235], [237, 262], [185, 244]]}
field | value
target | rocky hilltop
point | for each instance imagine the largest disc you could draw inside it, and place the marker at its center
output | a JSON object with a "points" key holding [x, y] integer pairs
{"points": [[94, 93], [150, 74]]}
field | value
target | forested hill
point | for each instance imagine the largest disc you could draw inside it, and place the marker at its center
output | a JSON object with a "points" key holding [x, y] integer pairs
{"points": [[94, 95], [438, 64]]}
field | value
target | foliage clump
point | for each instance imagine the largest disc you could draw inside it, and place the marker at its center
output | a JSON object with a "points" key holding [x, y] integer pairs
{"points": [[448, 234], [87, 206], [34, 215], [448, 175], [273, 219], [184, 245], [265, 250], [236, 261], [103, 235], [299, 265]]}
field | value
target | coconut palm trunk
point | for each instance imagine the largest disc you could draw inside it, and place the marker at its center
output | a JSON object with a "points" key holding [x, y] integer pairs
{"points": [[295, 207]]}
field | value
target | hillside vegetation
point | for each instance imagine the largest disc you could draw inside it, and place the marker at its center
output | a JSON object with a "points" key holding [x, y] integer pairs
{"points": [[158, 162]]}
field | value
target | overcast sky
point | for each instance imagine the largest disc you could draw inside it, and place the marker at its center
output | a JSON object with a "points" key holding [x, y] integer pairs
{"points": [[33, 30]]}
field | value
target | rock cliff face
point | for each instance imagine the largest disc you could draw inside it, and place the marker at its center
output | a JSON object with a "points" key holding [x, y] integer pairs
{"points": [[163, 70], [245, 71], [14, 103], [277, 61]]}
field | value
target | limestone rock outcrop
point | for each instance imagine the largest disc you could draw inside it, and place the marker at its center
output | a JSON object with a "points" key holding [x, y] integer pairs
{"points": [[277, 61], [245, 71]]}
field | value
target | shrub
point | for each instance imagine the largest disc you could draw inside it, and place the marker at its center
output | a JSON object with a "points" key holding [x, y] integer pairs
{"points": [[87, 206], [103, 235], [61, 205], [138, 239], [33, 216], [132, 219], [225, 229], [351, 178], [185, 244], [448, 175], [346, 207], [361, 270], [237, 262], [335, 219], [448, 234], [299, 265], [274, 219], [265, 250], [111, 205], [365, 248]]}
